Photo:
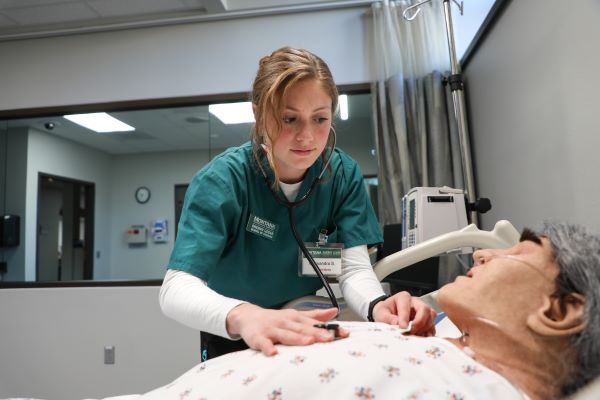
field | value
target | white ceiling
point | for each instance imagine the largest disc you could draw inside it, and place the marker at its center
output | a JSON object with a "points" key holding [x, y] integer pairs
{"points": [[31, 18]]}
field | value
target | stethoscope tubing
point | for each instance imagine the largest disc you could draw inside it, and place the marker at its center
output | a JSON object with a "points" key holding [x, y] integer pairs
{"points": [[290, 205], [312, 261]]}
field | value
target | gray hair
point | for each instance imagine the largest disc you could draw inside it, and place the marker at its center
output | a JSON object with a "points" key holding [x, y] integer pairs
{"points": [[577, 253]]}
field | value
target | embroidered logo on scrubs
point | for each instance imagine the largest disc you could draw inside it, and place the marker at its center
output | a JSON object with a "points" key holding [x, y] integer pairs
{"points": [[262, 227]]}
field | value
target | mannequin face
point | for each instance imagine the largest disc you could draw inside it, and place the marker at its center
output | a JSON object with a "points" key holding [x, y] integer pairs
{"points": [[504, 285], [306, 125]]}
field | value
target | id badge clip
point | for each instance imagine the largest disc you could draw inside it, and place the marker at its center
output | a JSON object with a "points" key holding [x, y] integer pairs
{"points": [[328, 257]]}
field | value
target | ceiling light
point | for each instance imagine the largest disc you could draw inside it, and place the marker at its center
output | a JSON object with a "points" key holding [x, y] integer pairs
{"points": [[233, 113], [343, 100], [99, 122]]}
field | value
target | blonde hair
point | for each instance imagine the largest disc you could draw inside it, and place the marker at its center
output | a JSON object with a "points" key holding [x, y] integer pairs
{"points": [[277, 73]]}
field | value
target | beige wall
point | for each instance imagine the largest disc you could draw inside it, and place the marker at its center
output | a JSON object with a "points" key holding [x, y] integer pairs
{"points": [[532, 90], [53, 342]]}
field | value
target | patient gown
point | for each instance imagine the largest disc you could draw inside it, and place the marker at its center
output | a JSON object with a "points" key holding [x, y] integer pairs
{"points": [[376, 362]]}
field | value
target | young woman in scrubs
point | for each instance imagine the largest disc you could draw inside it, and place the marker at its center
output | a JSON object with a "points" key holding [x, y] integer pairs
{"points": [[235, 260]]}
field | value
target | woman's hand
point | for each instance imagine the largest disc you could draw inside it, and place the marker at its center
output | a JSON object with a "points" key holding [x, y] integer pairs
{"points": [[262, 328], [402, 308]]}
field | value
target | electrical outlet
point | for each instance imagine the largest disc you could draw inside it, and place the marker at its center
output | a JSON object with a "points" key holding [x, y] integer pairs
{"points": [[109, 354]]}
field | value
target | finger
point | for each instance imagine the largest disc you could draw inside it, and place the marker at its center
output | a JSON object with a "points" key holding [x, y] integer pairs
{"points": [[423, 318], [299, 329], [293, 338], [426, 333], [321, 315], [430, 324], [342, 333], [386, 315], [431, 331], [325, 335], [403, 303], [265, 345], [420, 317], [312, 330], [337, 331], [433, 318]]}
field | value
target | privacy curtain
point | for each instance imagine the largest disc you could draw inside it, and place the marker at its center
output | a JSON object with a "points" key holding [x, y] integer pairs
{"points": [[416, 131]]}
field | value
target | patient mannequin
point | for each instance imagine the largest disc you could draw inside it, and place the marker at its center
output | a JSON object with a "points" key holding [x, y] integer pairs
{"points": [[530, 323], [530, 312]]}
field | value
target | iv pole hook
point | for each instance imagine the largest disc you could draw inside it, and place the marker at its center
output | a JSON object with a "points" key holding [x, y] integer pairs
{"points": [[460, 6], [406, 12], [409, 17]]}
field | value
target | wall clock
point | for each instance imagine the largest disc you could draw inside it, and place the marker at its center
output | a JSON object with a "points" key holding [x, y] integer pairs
{"points": [[142, 194]]}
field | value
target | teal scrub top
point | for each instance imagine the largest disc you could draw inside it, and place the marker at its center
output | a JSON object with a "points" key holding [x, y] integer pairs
{"points": [[234, 235]]}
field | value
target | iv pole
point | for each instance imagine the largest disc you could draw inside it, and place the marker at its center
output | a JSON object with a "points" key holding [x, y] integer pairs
{"points": [[458, 98]]}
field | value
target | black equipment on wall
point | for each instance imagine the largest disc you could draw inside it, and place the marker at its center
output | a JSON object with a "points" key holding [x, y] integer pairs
{"points": [[9, 230]]}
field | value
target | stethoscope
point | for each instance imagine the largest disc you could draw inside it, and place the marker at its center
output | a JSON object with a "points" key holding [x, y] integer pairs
{"points": [[290, 205]]}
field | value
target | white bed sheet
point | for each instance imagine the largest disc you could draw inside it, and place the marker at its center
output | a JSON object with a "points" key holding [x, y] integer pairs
{"points": [[376, 362]]}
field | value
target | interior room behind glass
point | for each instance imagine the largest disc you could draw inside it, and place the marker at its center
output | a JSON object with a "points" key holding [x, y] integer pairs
{"points": [[104, 206]]}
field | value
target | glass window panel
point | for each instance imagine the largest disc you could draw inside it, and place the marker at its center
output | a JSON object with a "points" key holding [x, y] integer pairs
{"points": [[168, 146]]}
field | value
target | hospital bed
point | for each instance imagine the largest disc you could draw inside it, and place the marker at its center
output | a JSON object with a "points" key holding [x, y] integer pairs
{"points": [[503, 235]]}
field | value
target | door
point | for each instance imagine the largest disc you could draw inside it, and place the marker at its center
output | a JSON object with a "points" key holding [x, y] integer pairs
{"points": [[179, 199], [65, 236], [49, 237]]}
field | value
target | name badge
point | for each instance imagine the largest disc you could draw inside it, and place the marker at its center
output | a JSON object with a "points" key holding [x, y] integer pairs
{"points": [[262, 227], [327, 256]]}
